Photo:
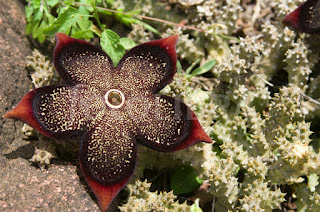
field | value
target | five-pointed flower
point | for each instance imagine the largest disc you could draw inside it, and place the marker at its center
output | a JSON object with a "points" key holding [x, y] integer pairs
{"points": [[111, 109]]}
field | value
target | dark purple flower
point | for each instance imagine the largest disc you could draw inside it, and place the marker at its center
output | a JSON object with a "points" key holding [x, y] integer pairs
{"points": [[111, 109], [306, 18]]}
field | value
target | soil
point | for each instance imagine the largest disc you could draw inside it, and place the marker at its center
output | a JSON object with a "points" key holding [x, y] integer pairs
{"points": [[23, 186]]}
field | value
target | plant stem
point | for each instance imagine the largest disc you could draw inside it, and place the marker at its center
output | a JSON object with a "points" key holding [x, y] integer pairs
{"points": [[96, 16], [144, 17]]}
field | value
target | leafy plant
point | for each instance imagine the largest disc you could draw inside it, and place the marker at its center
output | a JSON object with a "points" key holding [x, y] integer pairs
{"points": [[79, 19], [115, 46], [185, 180], [47, 17], [190, 71], [38, 15], [73, 21]]}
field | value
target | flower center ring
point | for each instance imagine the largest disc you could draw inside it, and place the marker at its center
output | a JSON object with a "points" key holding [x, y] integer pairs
{"points": [[114, 98]]}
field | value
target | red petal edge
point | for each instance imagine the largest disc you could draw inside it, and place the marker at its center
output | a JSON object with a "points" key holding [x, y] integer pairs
{"points": [[305, 17], [196, 135], [62, 43], [104, 194], [292, 19], [23, 112], [63, 40], [169, 44]]}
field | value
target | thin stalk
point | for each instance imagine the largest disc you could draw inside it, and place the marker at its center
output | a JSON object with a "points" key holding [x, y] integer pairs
{"points": [[95, 12], [152, 19]]}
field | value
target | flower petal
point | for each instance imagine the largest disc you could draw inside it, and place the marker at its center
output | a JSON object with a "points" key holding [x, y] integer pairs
{"points": [[78, 61], [104, 193], [305, 18], [149, 65], [165, 124], [58, 111], [108, 156]]}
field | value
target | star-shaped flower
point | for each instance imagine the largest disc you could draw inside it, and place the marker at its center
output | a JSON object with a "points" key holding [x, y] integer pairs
{"points": [[111, 109]]}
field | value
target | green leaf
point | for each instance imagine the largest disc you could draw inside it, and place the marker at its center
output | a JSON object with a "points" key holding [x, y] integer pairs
{"points": [[31, 26], [51, 3], [66, 19], [184, 180], [29, 11], [190, 68], [84, 12], [110, 43], [179, 67], [37, 32], [127, 43], [204, 68], [125, 19], [85, 34], [150, 28], [195, 207], [83, 29]]}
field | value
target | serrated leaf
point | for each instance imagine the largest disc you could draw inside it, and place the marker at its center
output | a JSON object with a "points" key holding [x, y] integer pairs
{"points": [[127, 43], [83, 28], [184, 180], [84, 24], [84, 11], [110, 43], [66, 19], [38, 16], [85, 34]]}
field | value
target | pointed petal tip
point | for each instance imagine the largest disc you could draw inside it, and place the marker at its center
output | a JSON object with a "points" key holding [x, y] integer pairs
{"points": [[60, 35], [170, 41], [305, 18], [11, 114], [104, 197], [198, 134], [23, 112], [104, 194], [205, 138], [292, 19], [7, 114], [62, 38], [173, 38]]}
